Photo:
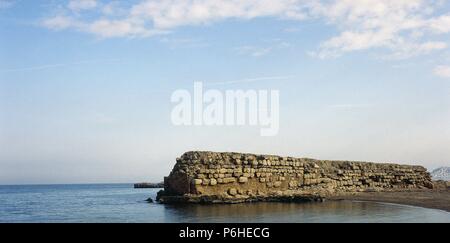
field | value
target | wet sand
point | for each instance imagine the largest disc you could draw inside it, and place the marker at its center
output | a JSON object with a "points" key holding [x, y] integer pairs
{"points": [[436, 199]]}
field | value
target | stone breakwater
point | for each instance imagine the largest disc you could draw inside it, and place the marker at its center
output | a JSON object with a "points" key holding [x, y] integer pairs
{"points": [[210, 177], [149, 185]]}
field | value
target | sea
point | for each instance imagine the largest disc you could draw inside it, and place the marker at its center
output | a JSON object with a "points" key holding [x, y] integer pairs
{"points": [[121, 203]]}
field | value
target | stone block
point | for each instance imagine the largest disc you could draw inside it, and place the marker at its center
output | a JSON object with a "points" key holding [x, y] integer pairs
{"points": [[197, 181], [243, 179], [229, 180], [232, 191], [205, 182]]}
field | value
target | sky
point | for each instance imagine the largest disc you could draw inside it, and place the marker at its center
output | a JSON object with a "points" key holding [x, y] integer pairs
{"points": [[85, 85]]}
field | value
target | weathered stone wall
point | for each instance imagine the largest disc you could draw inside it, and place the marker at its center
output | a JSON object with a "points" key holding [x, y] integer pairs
{"points": [[235, 176]]}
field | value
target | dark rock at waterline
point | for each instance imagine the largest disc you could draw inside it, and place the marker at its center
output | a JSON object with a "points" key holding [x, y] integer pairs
{"points": [[160, 194], [217, 199], [149, 200]]}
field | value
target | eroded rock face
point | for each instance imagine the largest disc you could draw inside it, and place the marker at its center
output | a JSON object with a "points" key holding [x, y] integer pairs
{"points": [[235, 177]]}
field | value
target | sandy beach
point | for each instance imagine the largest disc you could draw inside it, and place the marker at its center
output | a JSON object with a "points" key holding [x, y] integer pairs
{"points": [[436, 199]]}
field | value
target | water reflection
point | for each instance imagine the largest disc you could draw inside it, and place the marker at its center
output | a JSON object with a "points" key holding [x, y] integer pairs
{"points": [[330, 211]]}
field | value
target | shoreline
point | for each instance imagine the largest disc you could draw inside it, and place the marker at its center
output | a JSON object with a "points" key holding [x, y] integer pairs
{"points": [[438, 198], [424, 198]]}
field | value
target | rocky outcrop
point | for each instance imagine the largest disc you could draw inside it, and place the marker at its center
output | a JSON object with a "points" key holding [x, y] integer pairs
{"points": [[209, 177]]}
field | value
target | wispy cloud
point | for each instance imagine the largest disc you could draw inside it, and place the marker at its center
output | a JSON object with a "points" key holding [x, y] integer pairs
{"points": [[442, 71], [264, 49], [254, 51], [57, 65], [61, 22], [249, 80], [78, 5]]}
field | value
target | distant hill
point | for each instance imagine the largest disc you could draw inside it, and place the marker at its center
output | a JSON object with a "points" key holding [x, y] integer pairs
{"points": [[442, 173]]}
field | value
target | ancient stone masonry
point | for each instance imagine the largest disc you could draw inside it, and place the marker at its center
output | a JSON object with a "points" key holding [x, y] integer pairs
{"points": [[235, 177]]}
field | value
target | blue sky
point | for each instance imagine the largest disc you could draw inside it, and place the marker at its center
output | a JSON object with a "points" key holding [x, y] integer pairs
{"points": [[85, 85]]}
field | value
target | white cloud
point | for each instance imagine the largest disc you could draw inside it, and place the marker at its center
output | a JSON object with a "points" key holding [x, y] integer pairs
{"points": [[60, 22], [150, 17], [78, 5], [406, 50], [104, 28], [402, 28], [442, 71], [352, 41], [113, 8], [167, 14], [118, 28], [397, 26], [440, 24]]}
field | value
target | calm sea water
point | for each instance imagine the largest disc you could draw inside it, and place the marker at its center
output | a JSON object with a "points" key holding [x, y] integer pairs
{"points": [[122, 203]]}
